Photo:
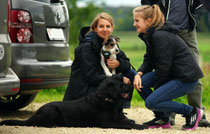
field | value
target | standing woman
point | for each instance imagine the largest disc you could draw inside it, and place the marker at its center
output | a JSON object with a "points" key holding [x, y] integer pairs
{"points": [[168, 67], [86, 71]]}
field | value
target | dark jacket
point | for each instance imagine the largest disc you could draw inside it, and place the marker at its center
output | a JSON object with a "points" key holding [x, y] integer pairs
{"points": [[169, 56], [86, 71], [194, 7]]}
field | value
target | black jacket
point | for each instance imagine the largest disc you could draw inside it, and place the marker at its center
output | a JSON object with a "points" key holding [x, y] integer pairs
{"points": [[169, 56], [86, 71], [194, 7]]}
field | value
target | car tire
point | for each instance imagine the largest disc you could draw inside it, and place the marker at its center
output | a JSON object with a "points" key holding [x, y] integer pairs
{"points": [[12, 103]]}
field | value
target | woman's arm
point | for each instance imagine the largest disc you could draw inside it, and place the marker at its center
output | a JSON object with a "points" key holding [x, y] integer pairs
{"points": [[147, 65], [124, 63], [90, 65], [163, 54]]}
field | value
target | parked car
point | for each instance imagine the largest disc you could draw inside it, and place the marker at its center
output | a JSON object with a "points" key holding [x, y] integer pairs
{"points": [[40, 55], [9, 82]]}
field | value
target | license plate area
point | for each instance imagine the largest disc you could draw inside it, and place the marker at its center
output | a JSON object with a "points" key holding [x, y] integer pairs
{"points": [[55, 33]]}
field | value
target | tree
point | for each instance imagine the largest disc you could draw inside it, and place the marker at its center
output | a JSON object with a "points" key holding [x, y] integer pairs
{"points": [[80, 17]]}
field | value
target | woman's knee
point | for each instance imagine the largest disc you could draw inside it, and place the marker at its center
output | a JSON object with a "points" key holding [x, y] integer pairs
{"points": [[152, 102], [149, 103]]}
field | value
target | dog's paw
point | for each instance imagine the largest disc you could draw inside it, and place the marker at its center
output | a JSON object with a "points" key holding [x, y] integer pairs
{"points": [[139, 127]]}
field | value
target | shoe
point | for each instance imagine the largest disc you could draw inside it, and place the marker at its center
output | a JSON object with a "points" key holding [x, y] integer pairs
{"points": [[203, 122], [172, 119], [192, 119], [158, 123]]}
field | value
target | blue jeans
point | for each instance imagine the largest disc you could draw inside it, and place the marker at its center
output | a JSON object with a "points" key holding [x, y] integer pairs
{"points": [[160, 100]]}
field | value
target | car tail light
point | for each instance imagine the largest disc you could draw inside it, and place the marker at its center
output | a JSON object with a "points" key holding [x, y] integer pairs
{"points": [[24, 16], [19, 26], [15, 89], [24, 35]]}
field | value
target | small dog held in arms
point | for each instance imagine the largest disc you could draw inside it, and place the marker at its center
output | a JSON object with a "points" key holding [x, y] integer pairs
{"points": [[109, 50], [97, 109]]}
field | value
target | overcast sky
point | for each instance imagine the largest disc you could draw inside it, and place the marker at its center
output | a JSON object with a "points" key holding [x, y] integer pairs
{"points": [[121, 2], [116, 2]]}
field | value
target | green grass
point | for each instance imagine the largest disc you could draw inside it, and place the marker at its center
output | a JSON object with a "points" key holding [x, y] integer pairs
{"points": [[54, 94], [203, 45], [135, 49]]}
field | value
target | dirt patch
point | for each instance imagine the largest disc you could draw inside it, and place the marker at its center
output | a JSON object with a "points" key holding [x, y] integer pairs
{"points": [[140, 115]]}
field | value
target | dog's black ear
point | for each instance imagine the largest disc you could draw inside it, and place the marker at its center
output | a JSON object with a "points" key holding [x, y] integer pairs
{"points": [[116, 38], [118, 76], [108, 41]]}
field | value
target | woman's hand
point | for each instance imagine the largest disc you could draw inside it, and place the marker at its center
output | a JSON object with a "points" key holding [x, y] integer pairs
{"points": [[112, 63], [126, 80], [137, 82]]}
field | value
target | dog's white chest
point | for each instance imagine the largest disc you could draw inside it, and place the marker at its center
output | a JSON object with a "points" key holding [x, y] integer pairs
{"points": [[109, 51]]}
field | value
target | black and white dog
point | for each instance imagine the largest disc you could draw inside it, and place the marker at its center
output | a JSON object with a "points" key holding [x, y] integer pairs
{"points": [[109, 50], [98, 109]]}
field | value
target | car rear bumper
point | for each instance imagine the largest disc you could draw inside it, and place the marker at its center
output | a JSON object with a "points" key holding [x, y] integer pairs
{"points": [[26, 69], [9, 85], [33, 87], [41, 65], [40, 75]]}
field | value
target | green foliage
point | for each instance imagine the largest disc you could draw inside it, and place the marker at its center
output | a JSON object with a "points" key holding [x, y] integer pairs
{"points": [[80, 17], [204, 23], [122, 17], [204, 47]]}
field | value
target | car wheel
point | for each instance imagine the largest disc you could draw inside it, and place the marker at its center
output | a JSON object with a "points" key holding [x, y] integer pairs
{"points": [[15, 102]]}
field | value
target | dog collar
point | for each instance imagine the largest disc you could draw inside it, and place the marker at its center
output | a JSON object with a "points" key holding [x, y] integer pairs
{"points": [[106, 53]]}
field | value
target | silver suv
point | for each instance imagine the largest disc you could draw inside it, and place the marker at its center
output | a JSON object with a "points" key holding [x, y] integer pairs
{"points": [[39, 33]]}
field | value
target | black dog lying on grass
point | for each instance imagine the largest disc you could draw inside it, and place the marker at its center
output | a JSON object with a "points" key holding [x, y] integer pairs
{"points": [[96, 110]]}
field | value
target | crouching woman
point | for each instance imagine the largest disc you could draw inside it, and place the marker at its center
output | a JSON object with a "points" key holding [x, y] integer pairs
{"points": [[168, 67]]}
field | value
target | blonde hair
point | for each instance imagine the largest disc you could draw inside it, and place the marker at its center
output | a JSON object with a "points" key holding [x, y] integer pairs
{"points": [[153, 12], [99, 16]]}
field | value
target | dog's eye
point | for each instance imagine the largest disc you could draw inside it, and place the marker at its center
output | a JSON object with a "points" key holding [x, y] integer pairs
{"points": [[112, 44]]}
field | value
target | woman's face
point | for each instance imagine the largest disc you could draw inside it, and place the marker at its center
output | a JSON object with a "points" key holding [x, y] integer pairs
{"points": [[104, 28], [140, 23]]}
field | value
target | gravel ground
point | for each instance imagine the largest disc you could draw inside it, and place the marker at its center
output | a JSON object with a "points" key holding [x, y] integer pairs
{"points": [[140, 115]]}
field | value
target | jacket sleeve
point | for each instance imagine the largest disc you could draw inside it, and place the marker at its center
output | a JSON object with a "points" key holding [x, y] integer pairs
{"points": [[124, 63], [197, 10], [147, 65], [90, 65], [163, 53]]}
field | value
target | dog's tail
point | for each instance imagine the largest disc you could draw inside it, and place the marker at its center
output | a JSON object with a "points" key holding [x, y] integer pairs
{"points": [[14, 123]]}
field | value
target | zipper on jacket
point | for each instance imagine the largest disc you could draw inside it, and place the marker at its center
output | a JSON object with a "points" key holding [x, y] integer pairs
{"points": [[168, 12], [189, 5], [199, 6]]}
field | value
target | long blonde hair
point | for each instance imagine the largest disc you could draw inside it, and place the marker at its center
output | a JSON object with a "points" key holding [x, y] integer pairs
{"points": [[153, 12], [99, 16]]}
